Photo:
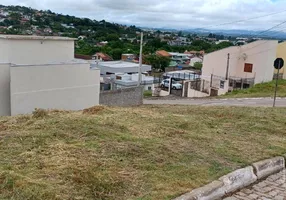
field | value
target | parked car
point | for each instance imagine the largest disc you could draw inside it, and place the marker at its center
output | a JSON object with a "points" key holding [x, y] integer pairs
{"points": [[175, 85]]}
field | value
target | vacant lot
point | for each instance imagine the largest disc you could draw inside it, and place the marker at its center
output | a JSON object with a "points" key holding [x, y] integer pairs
{"points": [[260, 90], [149, 152]]}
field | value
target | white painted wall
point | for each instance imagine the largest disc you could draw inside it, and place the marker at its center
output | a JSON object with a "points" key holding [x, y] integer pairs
{"points": [[20, 51], [58, 86], [195, 93], [260, 53], [5, 90]]}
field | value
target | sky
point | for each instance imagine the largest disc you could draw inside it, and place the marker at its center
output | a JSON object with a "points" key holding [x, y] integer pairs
{"points": [[179, 14]]}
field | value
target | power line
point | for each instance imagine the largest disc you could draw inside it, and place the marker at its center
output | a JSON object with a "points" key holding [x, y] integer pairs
{"points": [[272, 28], [243, 20]]}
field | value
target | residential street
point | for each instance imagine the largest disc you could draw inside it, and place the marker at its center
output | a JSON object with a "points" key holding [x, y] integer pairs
{"points": [[252, 102]]}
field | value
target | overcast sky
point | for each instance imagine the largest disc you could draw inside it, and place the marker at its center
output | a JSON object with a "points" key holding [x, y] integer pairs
{"points": [[180, 14]]}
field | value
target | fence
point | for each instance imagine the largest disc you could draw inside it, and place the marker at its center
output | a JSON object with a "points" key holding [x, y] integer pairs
{"points": [[200, 85], [217, 81], [236, 83]]}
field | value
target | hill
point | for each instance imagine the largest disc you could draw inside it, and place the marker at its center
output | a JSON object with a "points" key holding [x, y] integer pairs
{"points": [[23, 20], [147, 152]]}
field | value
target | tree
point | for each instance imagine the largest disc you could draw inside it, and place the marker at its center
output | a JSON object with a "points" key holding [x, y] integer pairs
{"points": [[158, 62], [116, 53], [198, 65], [112, 37], [180, 34]]}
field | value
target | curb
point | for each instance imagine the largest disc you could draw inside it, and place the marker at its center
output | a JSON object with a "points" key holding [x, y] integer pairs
{"points": [[236, 180]]}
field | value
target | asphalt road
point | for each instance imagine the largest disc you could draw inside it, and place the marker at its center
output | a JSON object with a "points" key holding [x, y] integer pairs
{"points": [[252, 102]]}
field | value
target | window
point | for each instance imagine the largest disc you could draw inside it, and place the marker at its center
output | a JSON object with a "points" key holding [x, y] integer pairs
{"points": [[248, 67]]}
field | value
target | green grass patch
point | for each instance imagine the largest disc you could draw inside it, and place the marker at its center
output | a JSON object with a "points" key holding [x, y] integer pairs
{"points": [[147, 152], [260, 90], [147, 93]]}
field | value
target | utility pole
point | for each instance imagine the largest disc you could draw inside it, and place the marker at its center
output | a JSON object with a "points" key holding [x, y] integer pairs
{"points": [[140, 61], [227, 67], [276, 85]]}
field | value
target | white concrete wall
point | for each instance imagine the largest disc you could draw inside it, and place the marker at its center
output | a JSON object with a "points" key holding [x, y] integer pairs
{"points": [[216, 63], [195, 93], [66, 86], [19, 51], [5, 90], [260, 53]]}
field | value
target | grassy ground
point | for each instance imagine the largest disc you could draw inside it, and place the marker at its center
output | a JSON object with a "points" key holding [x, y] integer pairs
{"points": [[147, 93], [139, 153], [260, 90]]}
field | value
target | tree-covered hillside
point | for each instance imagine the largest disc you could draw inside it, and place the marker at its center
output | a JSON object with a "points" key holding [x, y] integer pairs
{"points": [[96, 36]]}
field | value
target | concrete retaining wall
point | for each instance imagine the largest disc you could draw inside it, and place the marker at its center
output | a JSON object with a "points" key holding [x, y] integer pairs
{"points": [[123, 97], [236, 180]]}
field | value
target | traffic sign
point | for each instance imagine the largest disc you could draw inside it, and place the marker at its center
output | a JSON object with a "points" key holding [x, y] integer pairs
{"points": [[278, 63]]}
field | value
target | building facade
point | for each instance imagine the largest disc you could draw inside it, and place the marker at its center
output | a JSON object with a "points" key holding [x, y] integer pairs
{"points": [[40, 72], [281, 53], [251, 61]]}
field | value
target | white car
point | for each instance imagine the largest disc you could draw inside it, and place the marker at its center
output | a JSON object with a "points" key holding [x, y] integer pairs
{"points": [[175, 85]]}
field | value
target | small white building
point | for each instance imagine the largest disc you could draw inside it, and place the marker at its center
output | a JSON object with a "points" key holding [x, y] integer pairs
{"points": [[40, 72], [113, 67], [131, 80]]}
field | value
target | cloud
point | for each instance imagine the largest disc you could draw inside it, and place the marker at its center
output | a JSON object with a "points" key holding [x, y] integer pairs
{"points": [[182, 14]]}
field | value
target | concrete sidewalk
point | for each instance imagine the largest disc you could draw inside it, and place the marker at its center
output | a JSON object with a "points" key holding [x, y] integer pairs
{"points": [[274, 187], [252, 102]]}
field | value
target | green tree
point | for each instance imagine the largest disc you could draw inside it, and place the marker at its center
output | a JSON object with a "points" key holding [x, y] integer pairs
{"points": [[198, 65], [158, 62]]}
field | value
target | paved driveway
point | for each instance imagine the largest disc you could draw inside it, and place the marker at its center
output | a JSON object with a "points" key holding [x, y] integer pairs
{"points": [[254, 102]]}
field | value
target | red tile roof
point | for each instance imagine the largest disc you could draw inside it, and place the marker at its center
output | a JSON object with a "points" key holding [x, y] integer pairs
{"points": [[163, 53], [104, 56]]}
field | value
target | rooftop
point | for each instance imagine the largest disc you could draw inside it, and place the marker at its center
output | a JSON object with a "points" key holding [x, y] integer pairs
{"points": [[163, 53], [33, 37], [120, 64], [119, 67]]}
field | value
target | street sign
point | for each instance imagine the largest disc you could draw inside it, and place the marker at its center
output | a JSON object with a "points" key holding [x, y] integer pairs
{"points": [[278, 63]]}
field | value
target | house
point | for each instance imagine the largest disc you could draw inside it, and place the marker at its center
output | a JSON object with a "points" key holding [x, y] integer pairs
{"points": [[108, 71], [240, 66], [163, 53], [48, 30], [195, 59], [102, 44], [129, 57], [40, 72], [131, 80], [102, 57], [195, 53], [281, 53], [180, 58], [220, 41], [113, 67]]}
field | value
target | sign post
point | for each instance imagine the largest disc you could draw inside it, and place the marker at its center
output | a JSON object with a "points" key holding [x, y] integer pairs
{"points": [[278, 64]]}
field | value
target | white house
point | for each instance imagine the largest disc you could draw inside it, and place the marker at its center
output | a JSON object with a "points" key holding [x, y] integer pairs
{"points": [[195, 60], [40, 72], [251, 61]]}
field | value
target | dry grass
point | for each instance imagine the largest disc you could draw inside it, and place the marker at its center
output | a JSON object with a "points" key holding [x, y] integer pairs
{"points": [[148, 152]]}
